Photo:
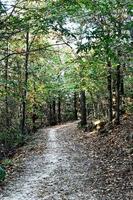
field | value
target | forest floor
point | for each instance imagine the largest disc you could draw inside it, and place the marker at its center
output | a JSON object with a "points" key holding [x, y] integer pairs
{"points": [[63, 163]]}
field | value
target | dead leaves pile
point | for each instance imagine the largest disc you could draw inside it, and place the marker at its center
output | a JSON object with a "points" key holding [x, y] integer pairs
{"points": [[113, 154]]}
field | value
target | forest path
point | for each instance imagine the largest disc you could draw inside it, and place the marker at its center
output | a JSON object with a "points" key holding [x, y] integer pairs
{"points": [[57, 166]]}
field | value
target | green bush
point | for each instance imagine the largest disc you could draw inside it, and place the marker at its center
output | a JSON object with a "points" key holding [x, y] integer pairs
{"points": [[7, 162], [11, 138], [2, 174], [130, 108]]}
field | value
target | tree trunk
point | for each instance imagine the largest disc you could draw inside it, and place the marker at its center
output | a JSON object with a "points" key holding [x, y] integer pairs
{"points": [[94, 105], [122, 81], [59, 110], [6, 90], [83, 108], [50, 114], [109, 79], [54, 113], [34, 115], [34, 118], [75, 107], [122, 91], [118, 96], [25, 84], [118, 82]]}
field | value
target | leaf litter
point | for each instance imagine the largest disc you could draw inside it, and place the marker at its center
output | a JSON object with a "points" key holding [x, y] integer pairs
{"points": [[65, 163]]}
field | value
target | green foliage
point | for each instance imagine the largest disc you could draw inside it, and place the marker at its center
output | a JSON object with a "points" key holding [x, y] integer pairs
{"points": [[11, 138], [2, 174], [7, 163], [70, 45]]}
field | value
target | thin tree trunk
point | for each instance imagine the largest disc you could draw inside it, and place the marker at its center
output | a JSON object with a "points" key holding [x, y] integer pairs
{"points": [[109, 79], [6, 91], [122, 91], [122, 81], [83, 108], [93, 105], [20, 89], [59, 110], [50, 114], [75, 106], [34, 116], [54, 113], [25, 84], [118, 82], [118, 95]]}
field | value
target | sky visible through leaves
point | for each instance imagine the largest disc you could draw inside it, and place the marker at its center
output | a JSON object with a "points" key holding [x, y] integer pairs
{"points": [[7, 2]]}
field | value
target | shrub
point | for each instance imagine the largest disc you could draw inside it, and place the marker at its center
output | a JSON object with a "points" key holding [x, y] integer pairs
{"points": [[2, 174], [11, 137]]}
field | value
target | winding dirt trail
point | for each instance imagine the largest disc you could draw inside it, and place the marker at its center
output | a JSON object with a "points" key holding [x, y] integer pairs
{"points": [[58, 169]]}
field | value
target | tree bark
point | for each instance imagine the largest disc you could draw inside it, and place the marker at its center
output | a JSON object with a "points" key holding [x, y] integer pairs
{"points": [[109, 80], [118, 95], [50, 114], [6, 90], [122, 80], [83, 108], [34, 115], [75, 107], [25, 84], [122, 90], [118, 82], [54, 113], [59, 110]]}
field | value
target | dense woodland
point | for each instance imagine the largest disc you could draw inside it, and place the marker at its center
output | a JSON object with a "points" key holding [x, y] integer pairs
{"points": [[63, 60]]}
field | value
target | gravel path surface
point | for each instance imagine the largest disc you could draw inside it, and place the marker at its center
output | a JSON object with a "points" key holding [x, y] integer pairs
{"points": [[63, 163], [58, 168]]}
